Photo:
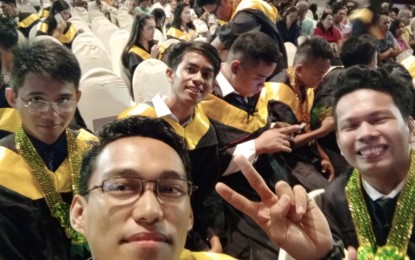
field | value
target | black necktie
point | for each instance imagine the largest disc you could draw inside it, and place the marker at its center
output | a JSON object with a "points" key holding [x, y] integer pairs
{"points": [[384, 209]]}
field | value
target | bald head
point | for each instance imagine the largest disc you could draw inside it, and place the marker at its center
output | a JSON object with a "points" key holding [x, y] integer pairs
{"points": [[302, 8], [405, 16], [302, 4]]}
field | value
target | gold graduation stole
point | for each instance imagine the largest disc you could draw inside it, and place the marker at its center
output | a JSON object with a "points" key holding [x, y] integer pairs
{"points": [[69, 35], [193, 132], [140, 52], [269, 10], [63, 38], [179, 34], [26, 22], [59, 209], [9, 119], [402, 223]]}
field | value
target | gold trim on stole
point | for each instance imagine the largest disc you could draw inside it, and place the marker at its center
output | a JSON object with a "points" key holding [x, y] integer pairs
{"points": [[29, 20], [225, 113], [140, 52], [193, 132], [179, 34], [286, 95], [9, 119], [270, 11], [69, 35], [17, 176]]}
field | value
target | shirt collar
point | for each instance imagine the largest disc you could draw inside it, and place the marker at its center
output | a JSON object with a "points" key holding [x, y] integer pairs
{"points": [[375, 194], [224, 85], [163, 110]]}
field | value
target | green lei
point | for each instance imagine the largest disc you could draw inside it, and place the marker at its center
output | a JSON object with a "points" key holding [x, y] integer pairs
{"points": [[402, 223], [59, 209]]}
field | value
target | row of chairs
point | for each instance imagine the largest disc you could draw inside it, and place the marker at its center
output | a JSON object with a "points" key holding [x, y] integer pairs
{"points": [[98, 50]]}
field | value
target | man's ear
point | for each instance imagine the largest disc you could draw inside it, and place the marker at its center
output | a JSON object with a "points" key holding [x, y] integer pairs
{"points": [[235, 66], [170, 75], [411, 125], [191, 220], [77, 216], [11, 97], [78, 95], [298, 69]]}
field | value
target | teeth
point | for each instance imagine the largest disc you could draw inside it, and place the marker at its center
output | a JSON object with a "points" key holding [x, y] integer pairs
{"points": [[372, 151]]}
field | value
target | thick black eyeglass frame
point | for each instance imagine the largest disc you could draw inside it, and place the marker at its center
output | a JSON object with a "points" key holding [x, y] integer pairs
{"points": [[192, 188]]}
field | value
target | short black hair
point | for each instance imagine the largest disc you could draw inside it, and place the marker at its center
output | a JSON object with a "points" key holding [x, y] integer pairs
{"points": [[178, 50], [201, 3], [395, 24], [358, 49], [155, 128], [46, 58], [336, 7], [378, 79], [9, 2], [254, 47], [313, 49], [177, 17], [8, 32], [56, 7]]}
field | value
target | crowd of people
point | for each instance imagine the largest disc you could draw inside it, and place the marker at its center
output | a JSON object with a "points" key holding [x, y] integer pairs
{"points": [[232, 153]]}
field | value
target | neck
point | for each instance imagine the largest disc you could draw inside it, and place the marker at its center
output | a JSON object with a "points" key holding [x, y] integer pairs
{"points": [[144, 43], [182, 111]]}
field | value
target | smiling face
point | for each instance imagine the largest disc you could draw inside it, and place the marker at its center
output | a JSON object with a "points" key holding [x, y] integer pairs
{"points": [[192, 80], [47, 126], [372, 134], [328, 21], [146, 228], [185, 15]]}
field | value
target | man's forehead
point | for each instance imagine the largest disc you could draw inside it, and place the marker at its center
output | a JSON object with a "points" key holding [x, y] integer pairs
{"points": [[193, 58]]}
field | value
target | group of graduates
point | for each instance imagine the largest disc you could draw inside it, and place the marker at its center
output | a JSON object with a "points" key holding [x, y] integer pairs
{"points": [[234, 102]]}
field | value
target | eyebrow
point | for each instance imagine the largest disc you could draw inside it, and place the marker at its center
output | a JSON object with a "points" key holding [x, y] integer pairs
{"points": [[39, 93], [204, 68], [370, 115], [128, 172]]}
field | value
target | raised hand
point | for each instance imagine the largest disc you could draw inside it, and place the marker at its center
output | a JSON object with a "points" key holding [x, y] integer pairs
{"points": [[289, 217]]}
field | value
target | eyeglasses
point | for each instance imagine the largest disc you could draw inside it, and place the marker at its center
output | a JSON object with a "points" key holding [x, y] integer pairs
{"points": [[216, 8], [38, 106], [125, 190]]}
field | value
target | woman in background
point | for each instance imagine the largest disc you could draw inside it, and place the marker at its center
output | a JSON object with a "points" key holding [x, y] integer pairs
{"points": [[182, 27], [160, 18], [396, 28], [141, 45], [326, 29], [57, 25], [288, 27]]}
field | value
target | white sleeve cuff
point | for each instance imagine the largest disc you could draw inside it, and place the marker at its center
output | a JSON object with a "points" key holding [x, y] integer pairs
{"points": [[247, 150]]}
